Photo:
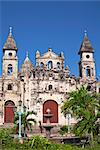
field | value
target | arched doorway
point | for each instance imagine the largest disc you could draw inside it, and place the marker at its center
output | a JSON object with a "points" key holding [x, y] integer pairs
{"points": [[9, 112], [53, 106]]}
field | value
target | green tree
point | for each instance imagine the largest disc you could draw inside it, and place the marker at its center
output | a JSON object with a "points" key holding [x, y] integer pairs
{"points": [[26, 121], [83, 106]]}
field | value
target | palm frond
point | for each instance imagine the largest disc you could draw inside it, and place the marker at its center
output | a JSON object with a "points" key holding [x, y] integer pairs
{"points": [[32, 120]]}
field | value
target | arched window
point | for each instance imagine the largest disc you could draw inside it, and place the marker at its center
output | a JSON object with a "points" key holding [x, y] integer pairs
{"points": [[88, 71], [50, 65], [41, 65], [10, 69], [58, 65], [89, 88], [99, 89], [92, 72], [9, 87], [50, 87]]}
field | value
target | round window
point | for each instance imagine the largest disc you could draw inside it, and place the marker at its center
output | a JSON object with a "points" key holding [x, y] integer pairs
{"points": [[10, 54], [87, 56]]}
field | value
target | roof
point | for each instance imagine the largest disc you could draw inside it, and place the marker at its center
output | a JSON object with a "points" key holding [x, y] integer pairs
{"points": [[86, 46], [10, 42]]}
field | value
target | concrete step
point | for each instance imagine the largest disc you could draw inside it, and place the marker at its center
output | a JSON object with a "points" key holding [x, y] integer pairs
{"points": [[36, 129], [7, 125]]}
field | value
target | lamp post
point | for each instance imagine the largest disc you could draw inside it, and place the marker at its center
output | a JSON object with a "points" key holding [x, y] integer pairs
{"points": [[67, 116], [68, 123], [68, 119], [20, 119]]}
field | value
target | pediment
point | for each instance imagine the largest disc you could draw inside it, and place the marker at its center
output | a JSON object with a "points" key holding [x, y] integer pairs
{"points": [[49, 54]]}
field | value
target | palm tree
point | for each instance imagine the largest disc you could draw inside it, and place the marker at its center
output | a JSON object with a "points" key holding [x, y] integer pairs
{"points": [[26, 121], [83, 106]]}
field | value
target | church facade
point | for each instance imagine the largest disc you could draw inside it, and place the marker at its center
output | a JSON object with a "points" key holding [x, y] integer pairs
{"points": [[44, 86]]}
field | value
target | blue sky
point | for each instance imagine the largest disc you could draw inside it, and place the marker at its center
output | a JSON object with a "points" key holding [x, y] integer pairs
{"points": [[56, 24]]}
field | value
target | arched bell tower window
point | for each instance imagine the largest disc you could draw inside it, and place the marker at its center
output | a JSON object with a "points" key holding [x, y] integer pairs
{"points": [[9, 87], [10, 69], [88, 71], [41, 65], [58, 65], [50, 87], [50, 65], [92, 72]]}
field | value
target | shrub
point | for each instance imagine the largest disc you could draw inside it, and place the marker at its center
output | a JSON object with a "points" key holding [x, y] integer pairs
{"points": [[63, 130], [40, 143], [5, 137]]}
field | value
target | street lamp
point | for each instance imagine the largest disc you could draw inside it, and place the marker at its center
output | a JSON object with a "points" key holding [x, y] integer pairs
{"points": [[20, 118], [68, 116]]}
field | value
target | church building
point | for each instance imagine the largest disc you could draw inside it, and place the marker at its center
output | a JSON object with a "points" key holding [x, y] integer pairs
{"points": [[44, 86]]}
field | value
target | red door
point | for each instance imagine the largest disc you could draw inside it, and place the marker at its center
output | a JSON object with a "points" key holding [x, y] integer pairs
{"points": [[9, 112], [53, 106]]}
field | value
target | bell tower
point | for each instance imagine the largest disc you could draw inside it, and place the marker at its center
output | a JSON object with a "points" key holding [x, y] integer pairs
{"points": [[87, 63], [10, 60]]}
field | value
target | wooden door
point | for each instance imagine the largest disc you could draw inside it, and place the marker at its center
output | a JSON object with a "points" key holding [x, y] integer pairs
{"points": [[53, 106], [9, 112]]}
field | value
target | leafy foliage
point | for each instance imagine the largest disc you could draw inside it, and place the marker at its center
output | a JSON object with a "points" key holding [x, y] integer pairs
{"points": [[40, 143], [83, 105], [63, 130], [4, 137], [36, 143], [25, 121]]}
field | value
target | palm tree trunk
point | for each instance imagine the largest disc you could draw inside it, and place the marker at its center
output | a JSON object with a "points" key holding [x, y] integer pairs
{"points": [[24, 132], [92, 139]]}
